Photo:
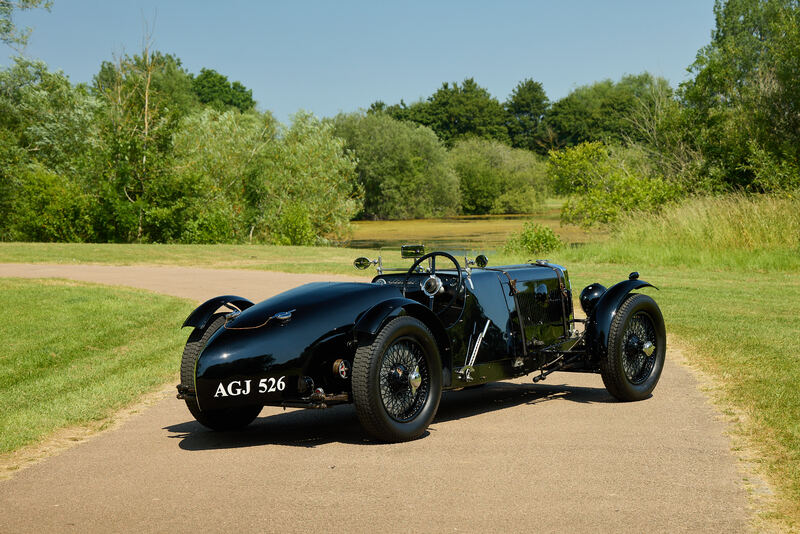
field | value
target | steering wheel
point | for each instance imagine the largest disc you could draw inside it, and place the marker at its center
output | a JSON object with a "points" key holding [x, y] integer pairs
{"points": [[433, 285]]}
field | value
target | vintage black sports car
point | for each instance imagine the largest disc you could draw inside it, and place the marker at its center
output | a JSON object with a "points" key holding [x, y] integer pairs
{"points": [[393, 345]]}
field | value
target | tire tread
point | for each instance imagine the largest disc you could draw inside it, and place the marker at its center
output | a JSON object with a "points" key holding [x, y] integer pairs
{"points": [[367, 407], [223, 419], [610, 365]]}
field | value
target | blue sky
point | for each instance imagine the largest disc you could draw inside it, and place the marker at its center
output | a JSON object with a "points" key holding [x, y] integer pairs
{"points": [[333, 56]]}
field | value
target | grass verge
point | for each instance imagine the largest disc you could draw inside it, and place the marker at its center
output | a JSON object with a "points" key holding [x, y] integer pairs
{"points": [[262, 257], [76, 353]]}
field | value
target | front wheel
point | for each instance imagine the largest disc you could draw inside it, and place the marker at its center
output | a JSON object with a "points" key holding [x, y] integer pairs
{"points": [[397, 381], [220, 419], [637, 344]]}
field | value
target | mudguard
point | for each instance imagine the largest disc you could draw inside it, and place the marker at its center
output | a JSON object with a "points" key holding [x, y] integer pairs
{"points": [[599, 324], [371, 322], [200, 316]]}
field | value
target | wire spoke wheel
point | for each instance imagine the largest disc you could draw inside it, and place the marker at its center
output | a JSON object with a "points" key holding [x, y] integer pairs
{"points": [[397, 380], [404, 380], [639, 343]]}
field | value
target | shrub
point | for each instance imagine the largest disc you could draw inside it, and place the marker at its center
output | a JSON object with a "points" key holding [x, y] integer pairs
{"points": [[601, 185], [524, 199], [772, 173], [533, 239], [293, 227], [47, 207], [495, 178], [310, 167]]}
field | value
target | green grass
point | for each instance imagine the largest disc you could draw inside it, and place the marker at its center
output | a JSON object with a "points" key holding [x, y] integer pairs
{"points": [[738, 232], [331, 260], [263, 257], [74, 353]]}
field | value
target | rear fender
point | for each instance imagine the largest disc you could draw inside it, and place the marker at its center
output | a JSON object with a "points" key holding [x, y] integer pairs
{"points": [[599, 324], [200, 316], [371, 322]]}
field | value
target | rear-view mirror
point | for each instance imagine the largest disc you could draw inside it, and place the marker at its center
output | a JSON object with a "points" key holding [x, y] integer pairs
{"points": [[412, 251]]}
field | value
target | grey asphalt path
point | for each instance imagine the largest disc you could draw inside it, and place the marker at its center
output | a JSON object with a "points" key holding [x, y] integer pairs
{"points": [[558, 456]]}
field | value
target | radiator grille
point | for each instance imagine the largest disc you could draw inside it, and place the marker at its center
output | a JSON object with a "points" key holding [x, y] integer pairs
{"points": [[537, 312]]}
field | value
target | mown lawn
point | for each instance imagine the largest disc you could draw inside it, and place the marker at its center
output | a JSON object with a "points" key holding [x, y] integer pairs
{"points": [[263, 257], [74, 353]]}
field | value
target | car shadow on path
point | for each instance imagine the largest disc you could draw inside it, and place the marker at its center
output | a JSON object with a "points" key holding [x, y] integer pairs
{"points": [[339, 424]]}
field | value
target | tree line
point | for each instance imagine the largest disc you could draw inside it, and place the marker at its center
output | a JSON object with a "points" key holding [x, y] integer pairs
{"points": [[149, 152]]}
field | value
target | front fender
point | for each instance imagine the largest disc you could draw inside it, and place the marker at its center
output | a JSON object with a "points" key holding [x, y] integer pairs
{"points": [[200, 316], [599, 324], [371, 322]]}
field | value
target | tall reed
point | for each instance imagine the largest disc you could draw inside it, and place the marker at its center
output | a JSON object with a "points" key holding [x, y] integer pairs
{"points": [[733, 231]]}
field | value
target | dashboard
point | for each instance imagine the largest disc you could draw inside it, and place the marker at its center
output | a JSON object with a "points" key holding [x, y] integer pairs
{"points": [[415, 281]]}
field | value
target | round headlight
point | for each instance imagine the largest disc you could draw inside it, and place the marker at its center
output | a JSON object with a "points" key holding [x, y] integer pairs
{"points": [[590, 296]]}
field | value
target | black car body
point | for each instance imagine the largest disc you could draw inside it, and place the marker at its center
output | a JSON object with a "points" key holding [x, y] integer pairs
{"points": [[393, 345]]}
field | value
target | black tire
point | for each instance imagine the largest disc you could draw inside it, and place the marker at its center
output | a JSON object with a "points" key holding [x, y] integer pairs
{"points": [[388, 405], [628, 372], [221, 419]]}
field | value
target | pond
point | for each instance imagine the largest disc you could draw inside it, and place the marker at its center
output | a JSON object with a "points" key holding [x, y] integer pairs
{"points": [[475, 233]]}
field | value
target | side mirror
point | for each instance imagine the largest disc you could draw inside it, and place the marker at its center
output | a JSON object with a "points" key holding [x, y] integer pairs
{"points": [[361, 263], [481, 261]]}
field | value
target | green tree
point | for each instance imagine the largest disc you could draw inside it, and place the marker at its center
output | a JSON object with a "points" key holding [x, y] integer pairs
{"points": [[46, 116], [243, 178], [137, 122], [47, 141], [207, 196], [170, 82], [495, 178], [9, 33], [526, 108], [599, 111], [311, 171], [659, 128], [744, 98], [401, 166], [454, 112], [418, 112], [467, 110], [214, 89]]}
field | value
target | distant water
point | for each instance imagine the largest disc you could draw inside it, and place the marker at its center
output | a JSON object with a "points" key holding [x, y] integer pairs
{"points": [[430, 244]]}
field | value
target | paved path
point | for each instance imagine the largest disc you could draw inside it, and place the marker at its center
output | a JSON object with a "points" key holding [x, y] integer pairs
{"points": [[559, 456]]}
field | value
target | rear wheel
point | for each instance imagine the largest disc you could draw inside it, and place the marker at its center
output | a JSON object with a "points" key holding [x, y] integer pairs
{"points": [[397, 381], [222, 419], [637, 344]]}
